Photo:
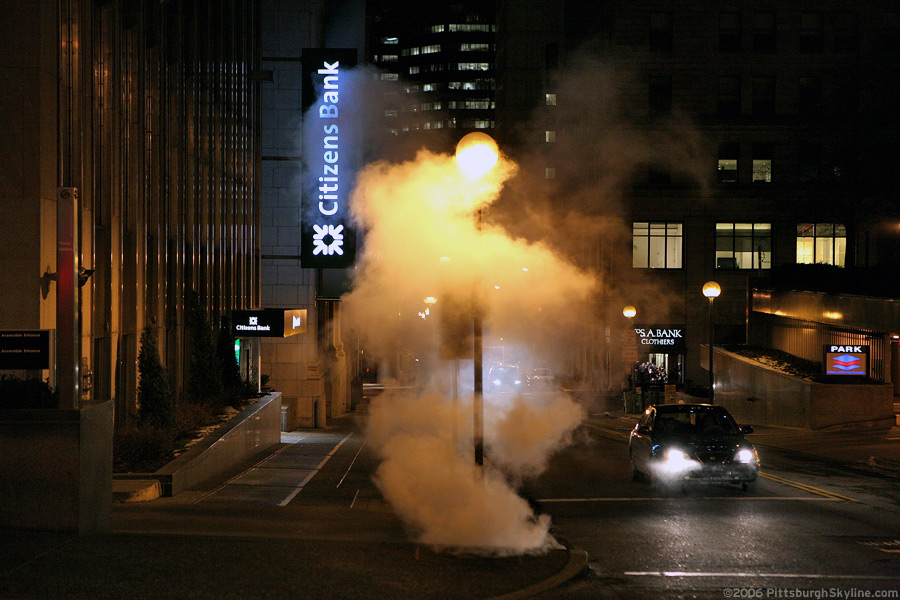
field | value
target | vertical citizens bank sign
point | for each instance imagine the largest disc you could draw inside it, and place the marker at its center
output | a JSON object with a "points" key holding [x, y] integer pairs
{"points": [[329, 154]]}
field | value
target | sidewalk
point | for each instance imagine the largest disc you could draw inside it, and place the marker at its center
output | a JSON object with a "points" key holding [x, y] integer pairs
{"points": [[243, 537]]}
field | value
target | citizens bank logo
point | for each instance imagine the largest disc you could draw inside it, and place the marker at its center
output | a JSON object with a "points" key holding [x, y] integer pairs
{"points": [[320, 246], [846, 362], [254, 321], [296, 322]]}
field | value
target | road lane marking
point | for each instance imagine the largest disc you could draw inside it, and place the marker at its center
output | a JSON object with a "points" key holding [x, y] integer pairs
{"points": [[760, 574], [656, 498], [612, 431], [807, 488], [306, 480], [351, 465]]}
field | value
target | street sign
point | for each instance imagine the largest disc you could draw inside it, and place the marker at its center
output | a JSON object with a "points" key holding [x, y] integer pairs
{"points": [[25, 349], [850, 360]]}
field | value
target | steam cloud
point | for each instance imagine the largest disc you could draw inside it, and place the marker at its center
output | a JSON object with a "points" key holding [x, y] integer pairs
{"points": [[423, 240]]}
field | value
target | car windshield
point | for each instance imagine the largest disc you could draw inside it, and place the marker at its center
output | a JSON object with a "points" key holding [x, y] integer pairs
{"points": [[696, 422]]}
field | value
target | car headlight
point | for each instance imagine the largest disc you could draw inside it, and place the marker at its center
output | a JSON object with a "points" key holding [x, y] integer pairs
{"points": [[746, 456], [518, 381], [497, 382], [674, 455]]}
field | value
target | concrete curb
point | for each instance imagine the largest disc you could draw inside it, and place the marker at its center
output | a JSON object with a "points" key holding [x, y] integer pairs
{"points": [[136, 490], [578, 560]]}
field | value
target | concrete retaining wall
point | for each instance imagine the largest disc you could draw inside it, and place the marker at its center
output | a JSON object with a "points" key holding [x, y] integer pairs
{"points": [[255, 430], [758, 395], [56, 469]]}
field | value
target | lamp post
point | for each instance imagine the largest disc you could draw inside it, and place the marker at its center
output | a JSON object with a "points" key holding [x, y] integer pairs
{"points": [[476, 155], [711, 290], [629, 313]]}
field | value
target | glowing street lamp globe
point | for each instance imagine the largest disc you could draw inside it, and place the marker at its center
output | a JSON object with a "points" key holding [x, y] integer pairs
{"points": [[476, 154], [629, 311], [711, 289]]}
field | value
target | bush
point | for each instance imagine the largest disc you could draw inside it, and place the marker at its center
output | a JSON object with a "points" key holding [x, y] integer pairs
{"points": [[142, 449], [26, 393], [155, 402], [191, 416], [204, 384]]}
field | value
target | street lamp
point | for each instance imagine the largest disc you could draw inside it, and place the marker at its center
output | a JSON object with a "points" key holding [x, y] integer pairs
{"points": [[629, 313], [476, 155], [711, 290]]}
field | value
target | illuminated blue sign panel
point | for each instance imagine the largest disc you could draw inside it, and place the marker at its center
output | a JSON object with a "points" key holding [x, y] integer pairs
{"points": [[846, 360], [328, 159]]}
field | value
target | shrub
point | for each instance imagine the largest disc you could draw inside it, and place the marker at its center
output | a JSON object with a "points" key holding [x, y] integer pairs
{"points": [[142, 449], [155, 402], [204, 384], [26, 393], [191, 416]]}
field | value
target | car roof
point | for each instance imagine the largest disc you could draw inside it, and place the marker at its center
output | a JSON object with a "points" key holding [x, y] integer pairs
{"points": [[683, 408]]}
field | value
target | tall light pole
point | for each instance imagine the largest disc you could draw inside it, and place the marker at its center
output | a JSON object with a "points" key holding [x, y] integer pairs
{"points": [[711, 290], [476, 155], [629, 313]]}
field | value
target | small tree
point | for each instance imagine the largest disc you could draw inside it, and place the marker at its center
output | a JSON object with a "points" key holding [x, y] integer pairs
{"points": [[155, 405], [204, 383], [231, 371]]}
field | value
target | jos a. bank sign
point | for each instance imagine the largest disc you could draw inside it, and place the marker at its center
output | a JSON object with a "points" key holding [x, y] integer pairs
{"points": [[660, 338]]}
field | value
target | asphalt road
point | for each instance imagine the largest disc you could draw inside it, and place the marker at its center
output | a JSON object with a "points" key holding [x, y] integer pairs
{"points": [[814, 528]]}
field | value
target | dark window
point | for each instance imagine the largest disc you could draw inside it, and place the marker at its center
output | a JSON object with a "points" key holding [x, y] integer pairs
{"points": [[661, 32], [809, 98], [551, 56], [808, 162], [729, 32], [743, 245], [659, 175], [660, 95], [846, 32], [729, 96], [764, 32], [763, 96], [727, 167], [811, 32]]}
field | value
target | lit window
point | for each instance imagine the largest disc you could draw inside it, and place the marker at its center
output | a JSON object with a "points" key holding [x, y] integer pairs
{"points": [[474, 47], [550, 99], [385, 58], [743, 245], [657, 245], [389, 40], [413, 70], [727, 168], [389, 77], [473, 66], [822, 243], [390, 112], [550, 136], [437, 28], [550, 173], [431, 49], [762, 163]]}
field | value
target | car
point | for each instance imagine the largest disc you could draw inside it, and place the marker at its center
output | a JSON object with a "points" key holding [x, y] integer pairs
{"points": [[540, 377], [674, 444], [505, 378]]}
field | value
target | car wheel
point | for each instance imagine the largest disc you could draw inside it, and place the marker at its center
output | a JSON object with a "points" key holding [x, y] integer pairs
{"points": [[637, 476], [749, 486]]}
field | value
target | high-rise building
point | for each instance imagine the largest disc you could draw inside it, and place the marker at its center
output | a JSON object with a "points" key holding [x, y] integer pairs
{"points": [[146, 114], [726, 140]]}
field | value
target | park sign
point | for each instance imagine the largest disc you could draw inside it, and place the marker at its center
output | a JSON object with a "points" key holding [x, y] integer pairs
{"points": [[25, 349], [846, 360], [329, 158], [662, 339], [268, 322]]}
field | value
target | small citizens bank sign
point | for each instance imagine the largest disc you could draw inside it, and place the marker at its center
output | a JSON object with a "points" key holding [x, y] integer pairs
{"points": [[846, 360]]}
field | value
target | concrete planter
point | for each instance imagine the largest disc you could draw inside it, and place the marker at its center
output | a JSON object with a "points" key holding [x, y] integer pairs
{"points": [[759, 395], [56, 470]]}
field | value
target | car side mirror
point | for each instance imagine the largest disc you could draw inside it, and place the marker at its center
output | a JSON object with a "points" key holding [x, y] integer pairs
{"points": [[643, 429], [747, 429]]}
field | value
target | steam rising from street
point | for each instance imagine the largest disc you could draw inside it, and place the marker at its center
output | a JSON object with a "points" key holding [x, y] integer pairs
{"points": [[425, 239]]}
